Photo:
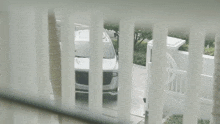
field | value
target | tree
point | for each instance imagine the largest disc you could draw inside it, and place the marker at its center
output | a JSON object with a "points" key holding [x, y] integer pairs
{"points": [[140, 34], [211, 43]]}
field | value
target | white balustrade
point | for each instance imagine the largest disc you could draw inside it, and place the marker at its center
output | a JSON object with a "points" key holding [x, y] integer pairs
{"points": [[39, 66], [42, 52], [23, 60], [42, 58], [125, 69], [96, 56], [67, 59], [159, 65], [4, 49], [54, 56], [147, 85], [215, 109], [196, 48], [5, 117]]}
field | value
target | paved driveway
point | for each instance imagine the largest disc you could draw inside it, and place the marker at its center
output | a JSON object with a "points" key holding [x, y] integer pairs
{"points": [[110, 102]]}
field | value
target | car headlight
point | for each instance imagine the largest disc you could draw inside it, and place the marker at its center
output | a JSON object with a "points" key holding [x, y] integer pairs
{"points": [[115, 74]]}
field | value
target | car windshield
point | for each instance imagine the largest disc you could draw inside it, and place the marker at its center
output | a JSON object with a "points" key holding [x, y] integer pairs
{"points": [[82, 44]]}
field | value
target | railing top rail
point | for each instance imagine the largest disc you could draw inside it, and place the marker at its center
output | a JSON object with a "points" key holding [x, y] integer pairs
{"points": [[184, 72]]}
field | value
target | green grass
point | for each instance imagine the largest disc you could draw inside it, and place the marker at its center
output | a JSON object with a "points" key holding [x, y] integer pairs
{"points": [[177, 119]]}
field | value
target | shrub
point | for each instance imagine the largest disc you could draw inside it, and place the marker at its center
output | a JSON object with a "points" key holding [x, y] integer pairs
{"points": [[209, 51], [139, 56], [177, 119], [184, 47]]}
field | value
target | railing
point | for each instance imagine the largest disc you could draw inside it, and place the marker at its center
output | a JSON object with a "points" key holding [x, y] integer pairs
{"points": [[37, 63], [175, 90], [178, 82], [36, 59]]}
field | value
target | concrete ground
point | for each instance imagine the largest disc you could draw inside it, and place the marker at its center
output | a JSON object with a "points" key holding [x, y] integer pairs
{"points": [[110, 102]]}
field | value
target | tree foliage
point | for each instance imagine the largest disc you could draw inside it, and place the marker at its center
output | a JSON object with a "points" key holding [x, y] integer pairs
{"points": [[114, 27], [139, 34]]}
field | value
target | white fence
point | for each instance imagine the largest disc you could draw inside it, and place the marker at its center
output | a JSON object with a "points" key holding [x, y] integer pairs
{"points": [[176, 86], [31, 57], [179, 83]]}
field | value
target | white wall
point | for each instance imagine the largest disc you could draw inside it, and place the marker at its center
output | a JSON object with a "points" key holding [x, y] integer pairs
{"points": [[181, 58]]}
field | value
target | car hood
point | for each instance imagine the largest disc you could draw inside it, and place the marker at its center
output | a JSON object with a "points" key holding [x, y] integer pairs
{"points": [[107, 65]]}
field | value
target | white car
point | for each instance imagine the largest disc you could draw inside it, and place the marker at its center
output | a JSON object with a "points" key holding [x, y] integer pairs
{"points": [[110, 62]]}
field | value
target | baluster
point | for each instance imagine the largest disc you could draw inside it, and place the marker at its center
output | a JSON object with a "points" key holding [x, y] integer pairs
{"points": [[215, 109], [67, 58], [22, 37], [196, 48], [42, 50], [181, 82], [96, 56], [125, 69], [6, 117], [172, 86], [176, 82], [159, 65], [54, 56], [168, 79]]}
